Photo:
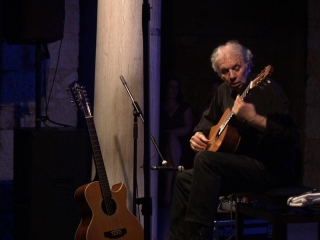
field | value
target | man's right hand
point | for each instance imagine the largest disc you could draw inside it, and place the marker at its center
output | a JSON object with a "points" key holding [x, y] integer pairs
{"points": [[198, 142]]}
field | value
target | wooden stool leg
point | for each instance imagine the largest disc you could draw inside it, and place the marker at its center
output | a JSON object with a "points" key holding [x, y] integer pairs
{"points": [[279, 230], [239, 222]]}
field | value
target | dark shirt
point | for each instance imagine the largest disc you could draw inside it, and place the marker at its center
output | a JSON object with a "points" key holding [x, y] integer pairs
{"points": [[176, 120], [173, 122], [276, 147]]}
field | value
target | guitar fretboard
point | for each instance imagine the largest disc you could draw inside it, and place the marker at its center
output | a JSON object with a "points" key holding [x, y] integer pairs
{"points": [[98, 160]]}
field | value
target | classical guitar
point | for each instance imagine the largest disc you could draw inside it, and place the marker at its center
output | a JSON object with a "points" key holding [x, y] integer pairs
{"points": [[104, 212], [225, 137]]}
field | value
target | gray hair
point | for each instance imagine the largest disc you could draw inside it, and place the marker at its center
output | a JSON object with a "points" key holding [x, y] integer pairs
{"points": [[237, 49]]}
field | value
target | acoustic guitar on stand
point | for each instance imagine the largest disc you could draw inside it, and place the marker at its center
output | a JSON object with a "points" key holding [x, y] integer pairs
{"points": [[104, 212], [225, 137]]}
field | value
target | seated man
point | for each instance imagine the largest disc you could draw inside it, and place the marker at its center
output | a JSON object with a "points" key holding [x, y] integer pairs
{"points": [[263, 159]]}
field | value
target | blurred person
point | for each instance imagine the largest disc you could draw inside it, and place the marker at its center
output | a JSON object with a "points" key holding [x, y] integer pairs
{"points": [[176, 123]]}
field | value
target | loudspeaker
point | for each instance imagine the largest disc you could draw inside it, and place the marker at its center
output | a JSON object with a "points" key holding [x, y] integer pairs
{"points": [[49, 165], [33, 21]]}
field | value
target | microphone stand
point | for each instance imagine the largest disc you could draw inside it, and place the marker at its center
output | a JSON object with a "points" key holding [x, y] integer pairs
{"points": [[146, 93], [138, 113]]}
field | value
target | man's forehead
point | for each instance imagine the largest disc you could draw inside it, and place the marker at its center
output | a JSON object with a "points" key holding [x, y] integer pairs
{"points": [[230, 60]]}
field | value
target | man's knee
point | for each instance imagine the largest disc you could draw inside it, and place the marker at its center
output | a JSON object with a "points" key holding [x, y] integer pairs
{"points": [[202, 157], [184, 178], [208, 159]]}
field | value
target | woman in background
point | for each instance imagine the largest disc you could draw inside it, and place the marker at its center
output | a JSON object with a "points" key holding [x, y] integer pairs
{"points": [[176, 124]]}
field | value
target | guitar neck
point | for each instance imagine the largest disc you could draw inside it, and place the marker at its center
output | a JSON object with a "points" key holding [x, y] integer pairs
{"points": [[245, 92], [229, 116], [98, 160]]}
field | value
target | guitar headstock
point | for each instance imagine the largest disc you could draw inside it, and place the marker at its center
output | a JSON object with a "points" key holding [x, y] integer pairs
{"points": [[267, 71], [79, 95]]}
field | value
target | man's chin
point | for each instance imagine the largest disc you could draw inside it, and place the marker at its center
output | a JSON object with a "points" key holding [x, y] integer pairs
{"points": [[236, 86]]}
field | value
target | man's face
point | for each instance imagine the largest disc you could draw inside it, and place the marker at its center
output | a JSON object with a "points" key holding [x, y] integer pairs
{"points": [[234, 71]]}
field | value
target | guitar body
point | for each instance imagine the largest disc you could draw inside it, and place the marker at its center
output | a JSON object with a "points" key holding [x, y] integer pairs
{"points": [[229, 138], [95, 224]]}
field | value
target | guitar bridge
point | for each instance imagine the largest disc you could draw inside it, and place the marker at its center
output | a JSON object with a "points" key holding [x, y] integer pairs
{"points": [[114, 234]]}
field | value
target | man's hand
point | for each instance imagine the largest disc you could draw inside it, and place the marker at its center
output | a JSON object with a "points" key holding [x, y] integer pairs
{"points": [[247, 112], [242, 110], [198, 142]]}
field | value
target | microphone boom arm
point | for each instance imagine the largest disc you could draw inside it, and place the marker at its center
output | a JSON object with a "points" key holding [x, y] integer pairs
{"points": [[139, 113]]}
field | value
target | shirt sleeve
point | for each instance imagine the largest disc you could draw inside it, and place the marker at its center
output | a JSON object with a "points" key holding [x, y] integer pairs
{"points": [[281, 127]]}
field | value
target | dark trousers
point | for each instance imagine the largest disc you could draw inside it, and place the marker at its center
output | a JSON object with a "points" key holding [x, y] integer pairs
{"points": [[197, 191]]}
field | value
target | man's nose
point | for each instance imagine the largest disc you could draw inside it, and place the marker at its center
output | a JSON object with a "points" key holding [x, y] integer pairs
{"points": [[232, 74]]}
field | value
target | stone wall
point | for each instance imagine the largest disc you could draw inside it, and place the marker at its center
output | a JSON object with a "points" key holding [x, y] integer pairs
{"points": [[18, 84], [312, 131]]}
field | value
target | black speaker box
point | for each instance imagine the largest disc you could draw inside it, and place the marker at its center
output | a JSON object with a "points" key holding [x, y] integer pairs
{"points": [[49, 165], [33, 21]]}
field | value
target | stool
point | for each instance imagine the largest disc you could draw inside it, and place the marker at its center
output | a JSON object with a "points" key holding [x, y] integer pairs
{"points": [[272, 206]]}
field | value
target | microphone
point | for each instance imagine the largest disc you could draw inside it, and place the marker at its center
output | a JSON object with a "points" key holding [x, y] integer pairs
{"points": [[168, 168]]}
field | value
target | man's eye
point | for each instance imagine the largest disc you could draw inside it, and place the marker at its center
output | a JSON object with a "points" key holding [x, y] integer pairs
{"points": [[224, 71], [236, 68]]}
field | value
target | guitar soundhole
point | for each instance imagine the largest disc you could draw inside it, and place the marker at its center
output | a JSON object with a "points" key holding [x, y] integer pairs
{"points": [[109, 207]]}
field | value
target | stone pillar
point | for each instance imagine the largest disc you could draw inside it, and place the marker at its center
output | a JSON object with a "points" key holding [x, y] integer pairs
{"points": [[312, 132], [120, 52]]}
